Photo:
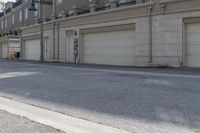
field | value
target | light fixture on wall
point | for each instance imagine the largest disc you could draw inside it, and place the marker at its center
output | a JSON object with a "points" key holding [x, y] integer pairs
{"points": [[33, 7]]}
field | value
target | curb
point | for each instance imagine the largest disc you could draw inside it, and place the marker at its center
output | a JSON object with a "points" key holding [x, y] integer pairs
{"points": [[53, 119]]}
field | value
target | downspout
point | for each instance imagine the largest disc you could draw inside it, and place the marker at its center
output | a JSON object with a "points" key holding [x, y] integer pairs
{"points": [[58, 41], [150, 35], [54, 8], [22, 52], [54, 30], [66, 59], [7, 42], [42, 32], [0, 46], [21, 45], [54, 42]]}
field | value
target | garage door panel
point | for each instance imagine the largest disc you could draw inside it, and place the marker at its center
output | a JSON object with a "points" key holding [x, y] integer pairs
{"points": [[110, 52], [113, 48], [70, 47], [193, 50], [193, 38], [109, 35], [128, 61], [14, 49], [4, 51], [32, 50], [14, 45], [120, 43], [193, 28], [193, 45], [194, 61]]}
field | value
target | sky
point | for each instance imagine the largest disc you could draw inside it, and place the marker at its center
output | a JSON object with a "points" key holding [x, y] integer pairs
{"points": [[8, 0]]}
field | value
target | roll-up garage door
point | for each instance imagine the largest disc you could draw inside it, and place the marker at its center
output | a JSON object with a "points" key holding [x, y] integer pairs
{"points": [[69, 48], [32, 50], [110, 48], [193, 45], [14, 47], [4, 51]]}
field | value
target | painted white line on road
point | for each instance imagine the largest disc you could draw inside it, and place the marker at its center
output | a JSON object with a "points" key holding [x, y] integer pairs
{"points": [[56, 120], [116, 71]]}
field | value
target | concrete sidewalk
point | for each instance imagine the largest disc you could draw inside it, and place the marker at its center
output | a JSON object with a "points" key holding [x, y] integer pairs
{"points": [[10, 123]]}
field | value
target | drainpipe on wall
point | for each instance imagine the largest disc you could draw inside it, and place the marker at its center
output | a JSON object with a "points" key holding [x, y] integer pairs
{"points": [[42, 32], [1, 47], [7, 42], [21, 44], [54, 42], [150, 35], [54, 29], [58, 41], [54, 8]]}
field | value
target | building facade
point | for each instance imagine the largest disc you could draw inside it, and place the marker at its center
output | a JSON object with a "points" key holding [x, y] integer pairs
{"points": [[124, 33], [15, 16]]}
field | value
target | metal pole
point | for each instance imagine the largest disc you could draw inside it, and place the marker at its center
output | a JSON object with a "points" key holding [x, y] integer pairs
{"points": [[150, 36], [54, 32], [54, 8], [41, 37]]}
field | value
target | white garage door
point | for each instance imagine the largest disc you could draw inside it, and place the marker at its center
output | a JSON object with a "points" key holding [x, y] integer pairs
{"points": [[32, 50], [193, 45], [4, 51], [14, 47], [69, 48], [111, 48]]}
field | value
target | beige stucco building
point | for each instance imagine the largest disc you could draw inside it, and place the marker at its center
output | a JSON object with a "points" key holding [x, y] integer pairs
{"points": [[151, 33]]}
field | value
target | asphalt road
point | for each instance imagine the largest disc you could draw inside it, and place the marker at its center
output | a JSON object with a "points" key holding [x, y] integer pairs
{"points": [[135, 99], [10, 123]]}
